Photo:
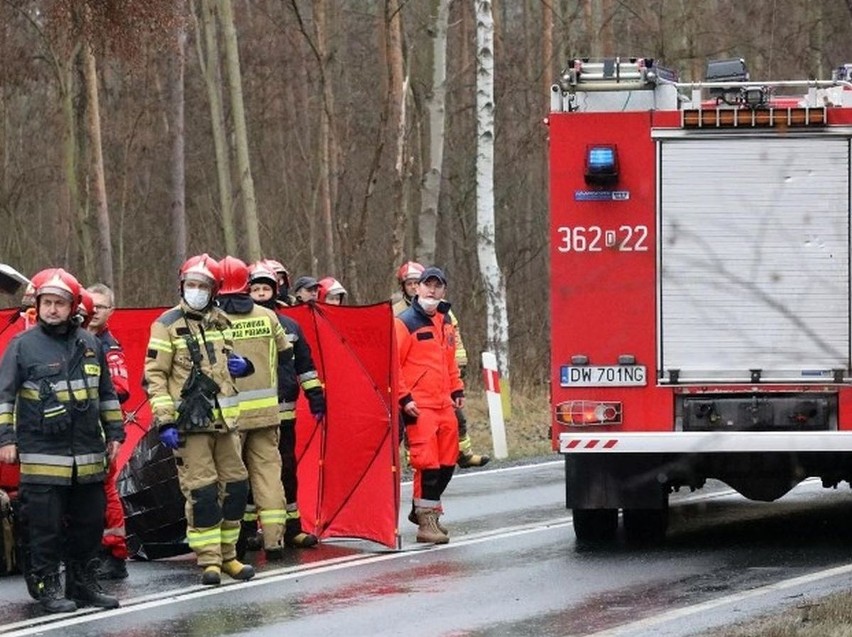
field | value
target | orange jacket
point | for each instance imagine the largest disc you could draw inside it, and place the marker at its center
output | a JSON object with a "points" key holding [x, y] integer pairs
{"points": [[426, 344]]}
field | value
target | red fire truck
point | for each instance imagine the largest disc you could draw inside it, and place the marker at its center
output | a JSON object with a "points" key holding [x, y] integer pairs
{"points": [[700, 287]]}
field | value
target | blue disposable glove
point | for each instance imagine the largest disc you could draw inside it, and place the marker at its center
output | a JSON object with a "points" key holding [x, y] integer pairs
{"points": [[169, 436], [238, 366]]}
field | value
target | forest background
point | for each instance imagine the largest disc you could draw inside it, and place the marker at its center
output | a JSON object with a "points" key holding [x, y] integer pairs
{"points": [[136, 132]]}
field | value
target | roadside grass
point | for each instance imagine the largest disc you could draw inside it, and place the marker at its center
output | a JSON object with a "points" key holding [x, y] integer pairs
{"points": [[830, 616], [527, 432]]}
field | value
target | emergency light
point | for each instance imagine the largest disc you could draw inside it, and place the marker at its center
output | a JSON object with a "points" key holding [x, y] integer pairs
{"points": [[601, 164]]}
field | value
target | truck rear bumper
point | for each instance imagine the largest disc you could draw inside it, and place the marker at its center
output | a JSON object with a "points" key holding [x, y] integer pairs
{"points": [[704, 442]]}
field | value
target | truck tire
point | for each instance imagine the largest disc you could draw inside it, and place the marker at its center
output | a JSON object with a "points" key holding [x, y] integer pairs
{"points": [[595, 525], [646, 526]]}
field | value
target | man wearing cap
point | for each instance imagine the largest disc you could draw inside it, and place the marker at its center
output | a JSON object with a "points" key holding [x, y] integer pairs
{"points": [[430, 389], [306, 289]]}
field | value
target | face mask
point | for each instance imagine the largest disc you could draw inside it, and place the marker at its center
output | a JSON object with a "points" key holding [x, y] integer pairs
{"points": [[430, 305], [196, 298]]}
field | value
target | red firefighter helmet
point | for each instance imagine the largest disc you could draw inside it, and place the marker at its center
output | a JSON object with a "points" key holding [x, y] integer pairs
{"points": [[235, 276], [408, 271], [260, 272], [278, 269], [59, 282], [87, 306], [329, 286], [28, 299], [202, 268]]}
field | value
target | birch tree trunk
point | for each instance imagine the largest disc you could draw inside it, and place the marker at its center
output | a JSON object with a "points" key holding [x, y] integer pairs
{"points": [[97, 178], [178, 167], [427, 221], [486, 248], [235, 85], [208, 58]]}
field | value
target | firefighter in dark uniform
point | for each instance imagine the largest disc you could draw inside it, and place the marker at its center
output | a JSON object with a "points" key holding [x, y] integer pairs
{"points": [[189, 372], [263, 288], [258, 335], [60, 416]]}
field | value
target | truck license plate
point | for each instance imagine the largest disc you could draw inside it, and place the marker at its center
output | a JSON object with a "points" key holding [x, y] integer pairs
{"points": [[602, 376]]}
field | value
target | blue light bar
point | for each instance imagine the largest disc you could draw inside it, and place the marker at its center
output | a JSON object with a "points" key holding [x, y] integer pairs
{"points": [[601, 159], [601, 164]]}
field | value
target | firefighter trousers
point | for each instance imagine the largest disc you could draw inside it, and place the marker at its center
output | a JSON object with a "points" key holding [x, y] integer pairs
{"points": [[114, 539], [290, 479], [214, 481], [263, 462], [63, 522], [287, 449], [433, 444]]}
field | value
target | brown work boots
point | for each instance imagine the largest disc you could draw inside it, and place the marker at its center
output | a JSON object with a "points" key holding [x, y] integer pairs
{"points": [[428, 529], [468, 460]]}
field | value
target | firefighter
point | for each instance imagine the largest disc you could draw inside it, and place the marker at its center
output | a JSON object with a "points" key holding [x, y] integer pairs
{"points": [[263, 291], [430, 388], [28, 311], [305, 290], [282, 277], [258, 336], [60, 416], [330, 291], [407, 276], [189, 376], [114, 544]]}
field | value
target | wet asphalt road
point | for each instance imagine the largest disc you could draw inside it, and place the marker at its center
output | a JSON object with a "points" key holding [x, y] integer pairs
{"points": [[512, 568]]}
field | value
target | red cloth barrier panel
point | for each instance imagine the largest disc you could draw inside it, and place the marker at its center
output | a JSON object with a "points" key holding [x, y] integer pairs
{"points": [[349, 464]]}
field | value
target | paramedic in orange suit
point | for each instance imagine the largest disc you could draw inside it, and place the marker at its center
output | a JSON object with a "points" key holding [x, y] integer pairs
{"points": [[430, 390]]}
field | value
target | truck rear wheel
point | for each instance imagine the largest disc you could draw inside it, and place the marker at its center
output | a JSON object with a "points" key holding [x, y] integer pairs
{"points": [[646, 525], [595, 525]]}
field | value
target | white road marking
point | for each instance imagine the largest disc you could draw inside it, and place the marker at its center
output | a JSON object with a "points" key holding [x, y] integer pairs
{"points": [[40, 625], [680, 613]]}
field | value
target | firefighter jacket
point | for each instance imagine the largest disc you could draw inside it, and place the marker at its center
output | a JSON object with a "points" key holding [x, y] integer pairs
{"points": [[258, 336], [58, 405], [168, 363], [117, 364], [429, 374], [402, 303], [305, 372]]}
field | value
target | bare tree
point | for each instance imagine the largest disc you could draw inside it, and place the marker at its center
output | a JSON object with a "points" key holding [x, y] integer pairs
{"points": [[486, 239], [397, 100], [178, 167], [436, 106], [232, 59], [207, 42], [97, 177], [328, 148]]}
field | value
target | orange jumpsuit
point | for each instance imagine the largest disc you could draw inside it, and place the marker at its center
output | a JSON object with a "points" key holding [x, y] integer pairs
{"points": [[429, 376]]}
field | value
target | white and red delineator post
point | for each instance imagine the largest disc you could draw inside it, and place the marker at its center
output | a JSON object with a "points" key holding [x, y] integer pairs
{"points": [[491, 375]]}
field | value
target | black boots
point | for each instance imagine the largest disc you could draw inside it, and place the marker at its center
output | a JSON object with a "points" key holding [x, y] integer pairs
{"points": [[48, 591], [81, 585], [112, 567]]}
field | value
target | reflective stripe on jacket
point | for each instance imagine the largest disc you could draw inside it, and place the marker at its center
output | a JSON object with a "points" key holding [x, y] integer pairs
{"points": [[168, 363], [58, 405], [259, 337], [428, 369]]}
